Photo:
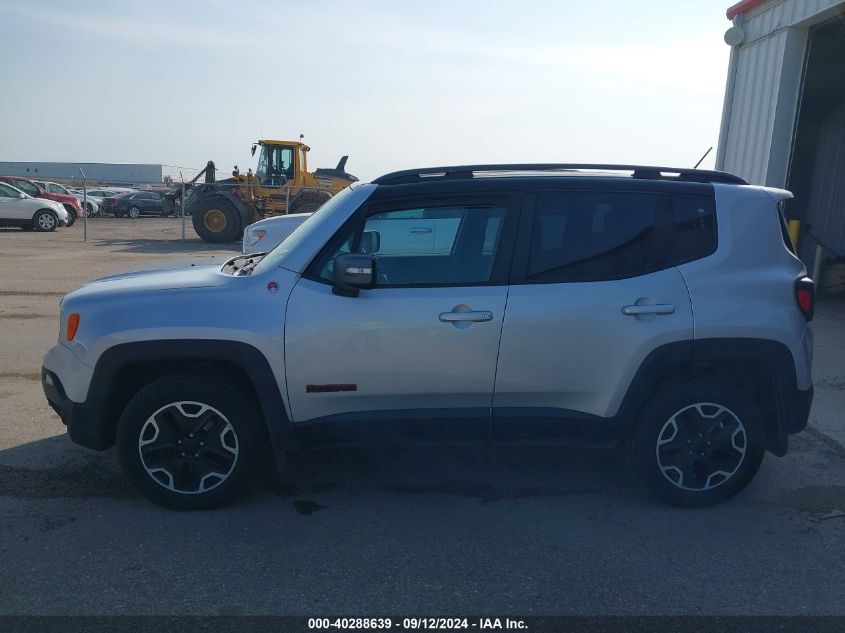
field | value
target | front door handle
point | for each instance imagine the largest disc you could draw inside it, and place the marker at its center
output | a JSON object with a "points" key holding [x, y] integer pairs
{"points": [[420, 229], [458, 317], [639, 310]]}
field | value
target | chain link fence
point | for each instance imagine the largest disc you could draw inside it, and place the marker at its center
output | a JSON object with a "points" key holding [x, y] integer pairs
{"points": [[203, 215]]}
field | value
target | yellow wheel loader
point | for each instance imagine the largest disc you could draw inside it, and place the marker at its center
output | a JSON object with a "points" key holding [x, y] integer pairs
{"points": [[281, 183]]}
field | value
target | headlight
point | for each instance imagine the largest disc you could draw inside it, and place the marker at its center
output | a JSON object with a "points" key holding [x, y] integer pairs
{"points": [[255, 237]]}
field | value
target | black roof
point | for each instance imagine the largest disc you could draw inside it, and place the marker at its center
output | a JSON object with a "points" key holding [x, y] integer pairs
{"points": [[638, 172]]}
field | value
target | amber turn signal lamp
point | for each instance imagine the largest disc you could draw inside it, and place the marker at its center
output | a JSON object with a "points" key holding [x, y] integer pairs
{"points": [[72, 326]]}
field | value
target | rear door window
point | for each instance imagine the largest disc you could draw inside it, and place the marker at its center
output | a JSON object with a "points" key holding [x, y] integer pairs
{"points": [[26, 187], [594, 236]]}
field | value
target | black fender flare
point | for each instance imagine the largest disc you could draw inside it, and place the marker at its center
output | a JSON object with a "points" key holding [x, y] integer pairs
{"points": [[174, 354], [760, 364]]}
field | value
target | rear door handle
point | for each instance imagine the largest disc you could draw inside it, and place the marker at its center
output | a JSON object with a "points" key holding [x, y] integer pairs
{"points": [[658, 308], [457, 317]]}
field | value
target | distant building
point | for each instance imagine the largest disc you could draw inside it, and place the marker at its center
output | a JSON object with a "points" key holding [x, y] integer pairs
{"points": [[783, 122], [114, 173]]}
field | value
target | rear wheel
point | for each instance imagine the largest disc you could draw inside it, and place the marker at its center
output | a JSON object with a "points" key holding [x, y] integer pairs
{"points": [[217, 220], [698, 443], [45, 220], [189, 441]]}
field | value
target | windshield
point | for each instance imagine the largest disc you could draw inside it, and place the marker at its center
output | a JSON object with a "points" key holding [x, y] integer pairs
{"points": [[275, 164], [275, 257]]}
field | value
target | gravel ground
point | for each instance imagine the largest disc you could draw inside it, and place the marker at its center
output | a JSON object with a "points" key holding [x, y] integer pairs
{"points": [[417, 531]]}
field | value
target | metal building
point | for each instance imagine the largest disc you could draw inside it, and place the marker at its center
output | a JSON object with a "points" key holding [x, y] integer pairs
{"points": [[99, 172], [783, 122]]}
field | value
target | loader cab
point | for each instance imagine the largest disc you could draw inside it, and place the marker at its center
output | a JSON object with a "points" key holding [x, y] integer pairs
{"points": [[279, 162]]}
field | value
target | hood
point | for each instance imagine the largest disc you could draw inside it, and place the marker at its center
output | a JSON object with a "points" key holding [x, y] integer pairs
{"points": [[169, 276], [59, 197], [280, 219]]}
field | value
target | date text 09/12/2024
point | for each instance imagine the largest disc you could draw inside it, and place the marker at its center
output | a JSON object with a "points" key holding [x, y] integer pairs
{"points": [[416, 623]]}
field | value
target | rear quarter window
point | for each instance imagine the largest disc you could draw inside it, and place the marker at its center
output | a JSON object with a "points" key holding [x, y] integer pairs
{"points": [[784, 228], [695, 234]]}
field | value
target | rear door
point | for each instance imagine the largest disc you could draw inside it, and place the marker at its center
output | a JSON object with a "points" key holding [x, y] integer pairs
{"points": [[416, 355], [594, 290]]}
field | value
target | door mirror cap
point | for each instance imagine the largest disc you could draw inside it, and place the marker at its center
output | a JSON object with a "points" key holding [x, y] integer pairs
{"points": [[21, 196], [352, 272]]}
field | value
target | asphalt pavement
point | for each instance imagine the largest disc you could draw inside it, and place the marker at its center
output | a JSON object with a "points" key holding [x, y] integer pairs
{"points": [[423, 530]]}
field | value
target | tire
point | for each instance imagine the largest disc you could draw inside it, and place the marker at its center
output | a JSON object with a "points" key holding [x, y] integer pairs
{"points": [[45, 221], [216, 220], [173, 461], [308, 201], [698, 443], [71, 214], [134, 213]]}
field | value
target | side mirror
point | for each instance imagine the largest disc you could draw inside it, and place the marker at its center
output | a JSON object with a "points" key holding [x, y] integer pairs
{"points": [[353, 272], [21, 196], [370, 242]]}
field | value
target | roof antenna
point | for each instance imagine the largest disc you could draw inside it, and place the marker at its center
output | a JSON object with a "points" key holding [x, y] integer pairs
{"points": [[703, 157]]}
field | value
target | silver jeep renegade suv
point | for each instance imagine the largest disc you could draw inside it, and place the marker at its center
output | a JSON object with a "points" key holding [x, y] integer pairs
{"points": [[662, 310]]}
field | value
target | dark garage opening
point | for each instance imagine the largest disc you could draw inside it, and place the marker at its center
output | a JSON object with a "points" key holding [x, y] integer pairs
{"points": [[817, 169]]}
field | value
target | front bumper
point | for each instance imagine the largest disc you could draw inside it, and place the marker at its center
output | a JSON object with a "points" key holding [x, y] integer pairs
{"points": [[84, 420]]}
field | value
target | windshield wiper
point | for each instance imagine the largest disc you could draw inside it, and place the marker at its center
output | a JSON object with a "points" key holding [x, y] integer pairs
{"points": [[249, 266]]}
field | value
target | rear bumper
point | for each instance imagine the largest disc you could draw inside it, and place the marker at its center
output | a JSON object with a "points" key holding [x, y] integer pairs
{"points": [[82, 419]]}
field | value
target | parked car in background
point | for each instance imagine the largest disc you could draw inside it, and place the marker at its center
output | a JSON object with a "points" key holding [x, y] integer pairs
{"points": [[92, 201], [101, 193], [71, 204], [22, 210], [265, 235], [136, 204]]}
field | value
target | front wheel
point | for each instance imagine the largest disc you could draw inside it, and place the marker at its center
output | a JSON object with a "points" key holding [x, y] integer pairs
{"points": [[698, 443], [134, 212], [188, 442], [45, 220], [217, 221]]}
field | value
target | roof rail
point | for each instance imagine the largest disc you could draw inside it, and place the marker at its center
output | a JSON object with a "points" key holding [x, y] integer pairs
{"points": [[456, 172]]}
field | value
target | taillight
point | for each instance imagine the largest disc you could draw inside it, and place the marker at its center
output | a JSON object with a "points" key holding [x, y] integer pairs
{"points": [[72, 326], [805, 296]]}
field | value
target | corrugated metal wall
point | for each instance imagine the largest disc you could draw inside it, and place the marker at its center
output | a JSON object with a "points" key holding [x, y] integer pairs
{"points": [[760, 115], [752, 113]]}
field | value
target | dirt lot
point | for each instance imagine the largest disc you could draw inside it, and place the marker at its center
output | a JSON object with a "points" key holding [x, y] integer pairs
{"points": [[414, 531]]}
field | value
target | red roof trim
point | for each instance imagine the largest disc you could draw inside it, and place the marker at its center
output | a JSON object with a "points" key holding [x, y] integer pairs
{"points": [[742, 7]]}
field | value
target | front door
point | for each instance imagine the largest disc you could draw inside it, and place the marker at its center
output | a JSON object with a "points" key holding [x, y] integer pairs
{"points": [[416, 354]]}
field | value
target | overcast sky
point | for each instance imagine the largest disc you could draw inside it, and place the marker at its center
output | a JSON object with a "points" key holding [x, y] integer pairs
{"points": [[394, 84]]}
